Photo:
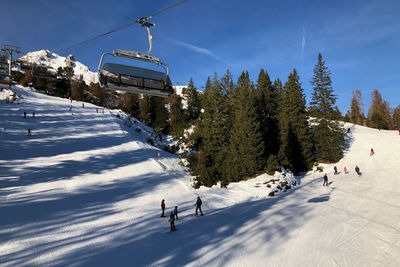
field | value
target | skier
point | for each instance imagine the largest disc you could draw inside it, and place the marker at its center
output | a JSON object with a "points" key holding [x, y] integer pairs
{"points": [[358, 170], [198, 205], [97, 110], [176, 212], [372, 152], [172, 221], [162, 207], [345, 170], [335, 170], [24, 114], [83, 105], [33, 114], [29, 132], [325, 180]]}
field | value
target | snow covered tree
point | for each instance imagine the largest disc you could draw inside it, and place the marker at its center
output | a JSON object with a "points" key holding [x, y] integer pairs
{"points": [[379, 113], [295, 152], [328, 132]]}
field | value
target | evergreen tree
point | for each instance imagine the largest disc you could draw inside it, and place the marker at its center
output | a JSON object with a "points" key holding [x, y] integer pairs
{"points": [[214, 135], [379, 113], [355, 109], [246, 148], [328, 132], [267, 108], [145, 108], [176, 115], [193, 102], [396, 118], [129, 103], [295, 152]]}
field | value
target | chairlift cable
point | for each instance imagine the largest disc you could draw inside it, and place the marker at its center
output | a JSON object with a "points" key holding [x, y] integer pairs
{"points": [[141, 21]]}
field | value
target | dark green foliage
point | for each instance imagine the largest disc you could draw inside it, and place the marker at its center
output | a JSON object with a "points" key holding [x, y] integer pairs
{"points": [[272, 164], [193, 102], [378, 113], [129, 103], [355, 108], [267, 101], [246, 148], [214, 137], [176, 116], [396, 118], [78, 89], [295, 152], [328, 134]]}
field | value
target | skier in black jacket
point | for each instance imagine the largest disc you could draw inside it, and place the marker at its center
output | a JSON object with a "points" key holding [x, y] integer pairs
{"points": [[198, 205], [358, 170]]}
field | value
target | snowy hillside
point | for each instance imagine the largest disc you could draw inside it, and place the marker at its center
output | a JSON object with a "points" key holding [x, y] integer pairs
{"points": [[54, 61], [85, 190]]}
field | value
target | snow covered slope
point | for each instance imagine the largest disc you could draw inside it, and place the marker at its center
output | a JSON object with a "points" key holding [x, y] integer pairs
{"points": [[54, 61], [85, 190]]}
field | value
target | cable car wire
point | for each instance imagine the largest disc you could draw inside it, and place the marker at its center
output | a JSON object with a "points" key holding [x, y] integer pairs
{"points": [[141, 21]]}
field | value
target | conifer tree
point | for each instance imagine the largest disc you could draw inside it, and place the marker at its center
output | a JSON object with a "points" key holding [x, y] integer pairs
{"points": [[396, 118], [355, 108], [328, 132], [214, 135], [246, 148], [295, 152], [193, 102], [176, 115], [267, 105], [379, 113]]}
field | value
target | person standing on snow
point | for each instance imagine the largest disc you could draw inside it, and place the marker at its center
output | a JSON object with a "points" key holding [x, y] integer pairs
{"points": [[345, 170], [176, 212], [325, 180], [372, 152], [172, 221], [198, 206], [162, 208], [358, 170], [335, 170]]}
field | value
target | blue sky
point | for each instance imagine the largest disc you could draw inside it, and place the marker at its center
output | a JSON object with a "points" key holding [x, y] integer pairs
{"points": [[359, 40]]}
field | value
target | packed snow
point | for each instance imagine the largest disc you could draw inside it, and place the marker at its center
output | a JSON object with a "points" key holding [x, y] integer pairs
{"points": [[85, 190]]}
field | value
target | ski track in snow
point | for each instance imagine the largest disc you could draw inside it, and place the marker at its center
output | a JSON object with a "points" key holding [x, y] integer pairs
{"points": [[84, 190]]}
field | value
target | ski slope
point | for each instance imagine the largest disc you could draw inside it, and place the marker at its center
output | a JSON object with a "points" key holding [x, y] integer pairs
{"points": [[85, 190]]}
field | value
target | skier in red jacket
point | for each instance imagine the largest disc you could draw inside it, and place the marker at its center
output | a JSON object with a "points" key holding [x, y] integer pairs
{"points": [[162, 207], [198, 206]]}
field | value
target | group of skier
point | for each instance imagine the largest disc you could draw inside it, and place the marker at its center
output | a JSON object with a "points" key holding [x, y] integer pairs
{"points": [[174, 214]]}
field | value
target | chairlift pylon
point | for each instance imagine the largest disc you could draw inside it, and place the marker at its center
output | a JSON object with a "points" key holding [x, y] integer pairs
{"points": [[132, 79]]}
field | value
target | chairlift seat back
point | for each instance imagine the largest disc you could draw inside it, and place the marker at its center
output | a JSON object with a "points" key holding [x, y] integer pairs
{"points": [[135, 80]]}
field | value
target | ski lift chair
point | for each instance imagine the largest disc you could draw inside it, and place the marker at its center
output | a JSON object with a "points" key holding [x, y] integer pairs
{"points": [[137, 80]]}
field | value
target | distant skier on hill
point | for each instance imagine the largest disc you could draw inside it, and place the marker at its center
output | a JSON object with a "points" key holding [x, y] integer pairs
{"points": [[372, 152], [358, 170], [335, 170], [162, 208], [172, 221], [198, 206], [176, 212], [345, 170], [325, 180]]}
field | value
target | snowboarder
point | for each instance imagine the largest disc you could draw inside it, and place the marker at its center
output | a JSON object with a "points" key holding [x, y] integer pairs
{"points": [[24, 114], [198, 206], [345, 170], [358, 170], [325, 180], [172, 221], [29, 132], [162, 208], [372, 152], [335, 170], [176, 212]]}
